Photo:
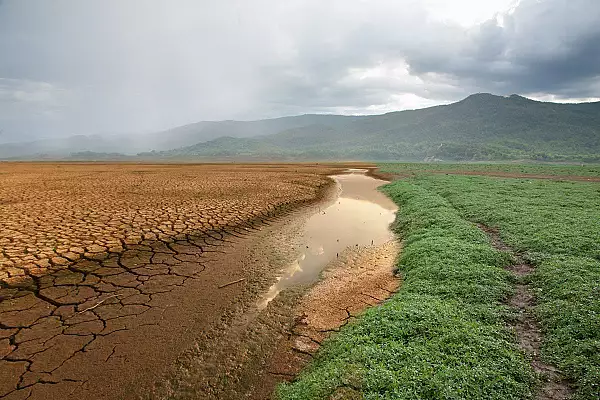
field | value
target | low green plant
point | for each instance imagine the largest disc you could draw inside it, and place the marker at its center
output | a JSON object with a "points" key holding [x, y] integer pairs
{"points": [[556, 225], [557, 170]]}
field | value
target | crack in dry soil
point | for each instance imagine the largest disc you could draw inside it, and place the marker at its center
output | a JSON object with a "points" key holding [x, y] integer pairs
{"points": [[53, 318], [554, 385], [59, 213], [259, 347]]}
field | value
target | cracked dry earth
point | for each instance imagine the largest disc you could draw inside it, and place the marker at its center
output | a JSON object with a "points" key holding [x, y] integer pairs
{"points": [[106, 269]]}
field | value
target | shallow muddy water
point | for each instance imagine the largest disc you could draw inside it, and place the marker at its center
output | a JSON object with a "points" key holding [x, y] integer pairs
{"points": [[359, 216]]}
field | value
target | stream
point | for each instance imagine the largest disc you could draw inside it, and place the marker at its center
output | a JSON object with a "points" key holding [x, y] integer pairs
{"points": [[359, 216]]}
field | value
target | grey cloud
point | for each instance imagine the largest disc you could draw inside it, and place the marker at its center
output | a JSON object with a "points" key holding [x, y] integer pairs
{"points": [[550, 46], [143, 65], [41, 102]]}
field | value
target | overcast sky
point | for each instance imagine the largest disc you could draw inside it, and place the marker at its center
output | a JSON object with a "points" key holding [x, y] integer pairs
{"points": [[103, 66]]}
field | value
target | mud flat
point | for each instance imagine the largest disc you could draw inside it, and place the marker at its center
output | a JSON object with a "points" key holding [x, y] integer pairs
{"points": [[330, 264], [359, 216]]}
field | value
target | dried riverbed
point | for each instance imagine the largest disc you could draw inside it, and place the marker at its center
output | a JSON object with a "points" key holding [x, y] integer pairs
{"points": [[359, 216], [342, 251]]}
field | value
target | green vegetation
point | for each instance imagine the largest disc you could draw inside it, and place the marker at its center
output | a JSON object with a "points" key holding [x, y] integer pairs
{"points": [[443, 335], [557, 227], [558, 170]]}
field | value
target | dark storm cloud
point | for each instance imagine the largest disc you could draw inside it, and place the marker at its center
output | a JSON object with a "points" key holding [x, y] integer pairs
{"points": [[550, 46], [547, 47], [91, 66]]}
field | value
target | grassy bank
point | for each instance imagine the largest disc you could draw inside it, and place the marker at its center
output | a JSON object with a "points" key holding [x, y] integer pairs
{"points": [[557, 227], [587, 170], [442, 336]]}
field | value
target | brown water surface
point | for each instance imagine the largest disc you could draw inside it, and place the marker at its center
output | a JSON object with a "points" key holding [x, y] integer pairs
{"points": [[359, 216]]}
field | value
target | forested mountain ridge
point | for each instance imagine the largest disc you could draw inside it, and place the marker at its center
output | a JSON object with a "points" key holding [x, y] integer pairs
{"points": [[480, 127]]}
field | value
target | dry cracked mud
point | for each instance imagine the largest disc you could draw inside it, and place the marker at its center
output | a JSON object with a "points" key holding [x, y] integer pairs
{"points": [[258, 350], [106, 269], [263, 343]]}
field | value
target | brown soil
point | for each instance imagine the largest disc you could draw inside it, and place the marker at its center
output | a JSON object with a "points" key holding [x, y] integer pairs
{"points": [[359, 279], [554, 385], [374, 172], [56, 214], [109, 271]]}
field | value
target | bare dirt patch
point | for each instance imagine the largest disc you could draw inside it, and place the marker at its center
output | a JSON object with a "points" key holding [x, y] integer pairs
{"points": [[54, 214], [262, 343], [360, 279]]}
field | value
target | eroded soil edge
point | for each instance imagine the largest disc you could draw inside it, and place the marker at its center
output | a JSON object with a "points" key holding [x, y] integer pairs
{"points": [[359, 279]]}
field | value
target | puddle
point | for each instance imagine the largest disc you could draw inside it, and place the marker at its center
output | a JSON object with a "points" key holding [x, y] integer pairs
{"points": [[360, 216]]}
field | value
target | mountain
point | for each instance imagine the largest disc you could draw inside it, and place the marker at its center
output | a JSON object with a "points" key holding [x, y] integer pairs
{"points": [[210, 130], [480, 127]]}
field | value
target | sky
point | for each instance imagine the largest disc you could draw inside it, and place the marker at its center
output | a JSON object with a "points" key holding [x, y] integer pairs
{"points": [[126, 66]]}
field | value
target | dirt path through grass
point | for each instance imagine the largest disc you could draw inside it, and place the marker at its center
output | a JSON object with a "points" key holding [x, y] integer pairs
{"points": [[554, 385], [554, 227]]}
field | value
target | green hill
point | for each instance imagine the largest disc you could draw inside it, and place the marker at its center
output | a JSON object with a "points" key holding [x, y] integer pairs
{"points": [[480, 127]]}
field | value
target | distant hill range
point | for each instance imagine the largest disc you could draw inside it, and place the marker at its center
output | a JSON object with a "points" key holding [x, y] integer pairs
{"points": [[480, 127]]}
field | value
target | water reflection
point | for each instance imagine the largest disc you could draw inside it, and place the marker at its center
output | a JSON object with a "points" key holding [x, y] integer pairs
{"points": [[360, 216]]}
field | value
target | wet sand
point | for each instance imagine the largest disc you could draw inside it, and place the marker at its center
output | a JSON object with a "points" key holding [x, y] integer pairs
{"points": [[361, 279]]}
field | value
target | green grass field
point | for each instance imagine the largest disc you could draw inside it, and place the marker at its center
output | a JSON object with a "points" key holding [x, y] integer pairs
{"points": [[557, 227], [584, 170], [444, 335]]}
